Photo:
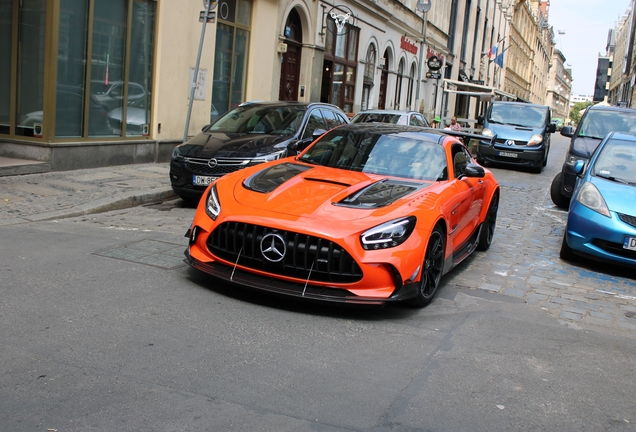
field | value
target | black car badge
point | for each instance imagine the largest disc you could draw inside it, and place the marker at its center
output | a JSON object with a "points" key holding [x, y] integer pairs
{"points": [[212, 163], [273, 247]]}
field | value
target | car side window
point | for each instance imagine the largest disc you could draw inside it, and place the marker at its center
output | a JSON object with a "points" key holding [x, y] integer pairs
{"points": [[417, 120], [331, 118], [461, 158], [315, 122]]}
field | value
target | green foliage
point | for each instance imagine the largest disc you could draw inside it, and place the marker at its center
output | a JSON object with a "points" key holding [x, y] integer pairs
{"points": [[577, 111]]}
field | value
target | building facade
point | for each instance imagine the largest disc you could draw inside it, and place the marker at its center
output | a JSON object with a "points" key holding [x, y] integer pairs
{"points": [[87, 83]]}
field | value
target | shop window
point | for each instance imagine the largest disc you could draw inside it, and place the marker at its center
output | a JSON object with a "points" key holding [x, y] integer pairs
{"points": [[230, 56], [30, 78], [6, 30]]}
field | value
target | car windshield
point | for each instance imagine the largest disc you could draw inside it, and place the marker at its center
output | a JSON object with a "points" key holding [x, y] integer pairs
{"points": [[598, 123], [518, 115], [377, 117], [397, 155], [260, 120], [616, 162]]}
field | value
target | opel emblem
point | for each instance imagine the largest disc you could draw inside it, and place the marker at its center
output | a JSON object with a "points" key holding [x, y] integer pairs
{"points": [[510, 142], [212, 163], [273, 247]]}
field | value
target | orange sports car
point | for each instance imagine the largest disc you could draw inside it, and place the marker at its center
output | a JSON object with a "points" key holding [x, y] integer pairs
{"points": [[367, 214]]}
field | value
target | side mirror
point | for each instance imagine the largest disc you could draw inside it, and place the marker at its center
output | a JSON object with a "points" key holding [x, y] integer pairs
{"points": [[567, 131], [299, 146], [480, 120], [579, 166], [473, 170], [552, 128]]}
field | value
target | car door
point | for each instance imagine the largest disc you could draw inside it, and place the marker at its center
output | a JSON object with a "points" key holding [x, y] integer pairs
{"points": [[467, 200], [314, 121]]}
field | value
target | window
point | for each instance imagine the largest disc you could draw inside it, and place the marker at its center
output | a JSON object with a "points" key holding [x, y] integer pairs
{"points": [[340, 66], [230, 55]]}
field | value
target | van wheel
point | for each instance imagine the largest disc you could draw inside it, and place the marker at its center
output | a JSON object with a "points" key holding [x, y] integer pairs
{"points": [[555, 192]]}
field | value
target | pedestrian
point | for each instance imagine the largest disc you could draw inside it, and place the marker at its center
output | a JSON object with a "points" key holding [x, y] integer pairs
{"points": [[454, 126], [436, 121]]}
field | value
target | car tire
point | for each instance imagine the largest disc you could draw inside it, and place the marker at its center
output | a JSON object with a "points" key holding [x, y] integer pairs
{"points": [[432, 269], [566, 252], [555, 192], [488, 226]]}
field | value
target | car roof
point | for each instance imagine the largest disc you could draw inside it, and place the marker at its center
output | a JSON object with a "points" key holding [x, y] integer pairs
{"points": [[624, 136], [519, 103], [391, 128], [374, 111], [290, 104], [609, 108]]}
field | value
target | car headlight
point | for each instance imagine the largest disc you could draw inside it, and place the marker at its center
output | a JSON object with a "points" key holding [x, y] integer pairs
{"points": [[570, 159], [270, 157], [212, 204], [176, 154], [389, 234], [486, 132], [535, 139], [591, 198]]}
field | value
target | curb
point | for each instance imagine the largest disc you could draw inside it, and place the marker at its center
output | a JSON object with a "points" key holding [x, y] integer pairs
{"points": [[116, 202]]}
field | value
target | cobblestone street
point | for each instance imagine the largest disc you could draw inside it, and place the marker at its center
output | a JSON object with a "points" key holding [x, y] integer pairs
{"points": [[523, 262]]}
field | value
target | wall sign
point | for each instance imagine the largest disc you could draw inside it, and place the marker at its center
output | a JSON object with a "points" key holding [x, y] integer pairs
{"points": [[407, 45], [434, 63]]}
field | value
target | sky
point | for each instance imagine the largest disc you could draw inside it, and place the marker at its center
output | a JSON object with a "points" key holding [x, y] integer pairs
{"points": [[586, 24]]}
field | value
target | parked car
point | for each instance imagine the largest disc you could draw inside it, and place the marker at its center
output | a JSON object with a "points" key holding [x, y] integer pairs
{"points": [[595, 124], [411, 118], [369, 213], [558, 123], [601, 220], [69, 114], [522, 135], [111, 94], [250, 134], [137, 118]]}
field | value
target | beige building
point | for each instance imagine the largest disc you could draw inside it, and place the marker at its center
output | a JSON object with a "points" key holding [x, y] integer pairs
{"points": [[106, 82], [559, 87]]}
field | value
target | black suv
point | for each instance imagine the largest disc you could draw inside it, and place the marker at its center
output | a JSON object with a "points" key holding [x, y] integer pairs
{"points": [[250, 134], [597, 121]]}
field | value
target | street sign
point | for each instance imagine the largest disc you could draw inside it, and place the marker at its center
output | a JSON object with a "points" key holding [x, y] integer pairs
{"points": [[210, 18], [423, 5], [433, 75]]}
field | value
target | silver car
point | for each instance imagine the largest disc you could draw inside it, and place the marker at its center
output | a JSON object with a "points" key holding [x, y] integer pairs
{"points": [[408, 118]]}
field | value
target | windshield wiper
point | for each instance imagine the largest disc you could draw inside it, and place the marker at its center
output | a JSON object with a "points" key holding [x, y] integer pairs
{"points": [[614, 179]]}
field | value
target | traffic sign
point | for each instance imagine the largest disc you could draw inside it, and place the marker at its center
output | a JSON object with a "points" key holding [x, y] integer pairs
{"points": [[210, 18]]}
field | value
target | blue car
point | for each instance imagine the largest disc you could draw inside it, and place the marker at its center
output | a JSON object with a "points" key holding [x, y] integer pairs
{"points": [[601, 221]]}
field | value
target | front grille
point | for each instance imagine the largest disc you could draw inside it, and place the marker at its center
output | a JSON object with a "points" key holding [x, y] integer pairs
{"points": [[505, 142], [631, 220], [615, 249], [307, 257], [222, 167]]}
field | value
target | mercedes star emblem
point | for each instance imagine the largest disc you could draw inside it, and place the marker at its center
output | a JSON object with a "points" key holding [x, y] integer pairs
{"points": [[273, 247], [212, 163]]}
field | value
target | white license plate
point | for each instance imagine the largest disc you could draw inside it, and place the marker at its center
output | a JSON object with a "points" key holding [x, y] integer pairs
{"points": [[202, 180], [630, 243], [509, 154]]}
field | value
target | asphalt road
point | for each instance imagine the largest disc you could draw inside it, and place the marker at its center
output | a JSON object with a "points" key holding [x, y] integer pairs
{"points": [[102, 328]]}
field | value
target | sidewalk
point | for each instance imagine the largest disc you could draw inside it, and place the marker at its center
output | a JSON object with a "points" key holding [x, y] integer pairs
{"points": [[61, 194]]}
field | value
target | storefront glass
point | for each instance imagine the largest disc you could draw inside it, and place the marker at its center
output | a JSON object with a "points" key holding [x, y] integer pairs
{"points": [[230, 55], [30, 78], [6, 30], [71, 69]]}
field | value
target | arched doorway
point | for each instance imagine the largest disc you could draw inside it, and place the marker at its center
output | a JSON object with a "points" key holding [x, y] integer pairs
{"points": [[290, 66]]}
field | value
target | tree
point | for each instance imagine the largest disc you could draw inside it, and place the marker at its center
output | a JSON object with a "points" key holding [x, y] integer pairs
{"points": [[577, 111]]}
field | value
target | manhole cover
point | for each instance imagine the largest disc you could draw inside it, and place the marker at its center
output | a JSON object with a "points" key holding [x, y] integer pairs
{"points": [[149, 252]]}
